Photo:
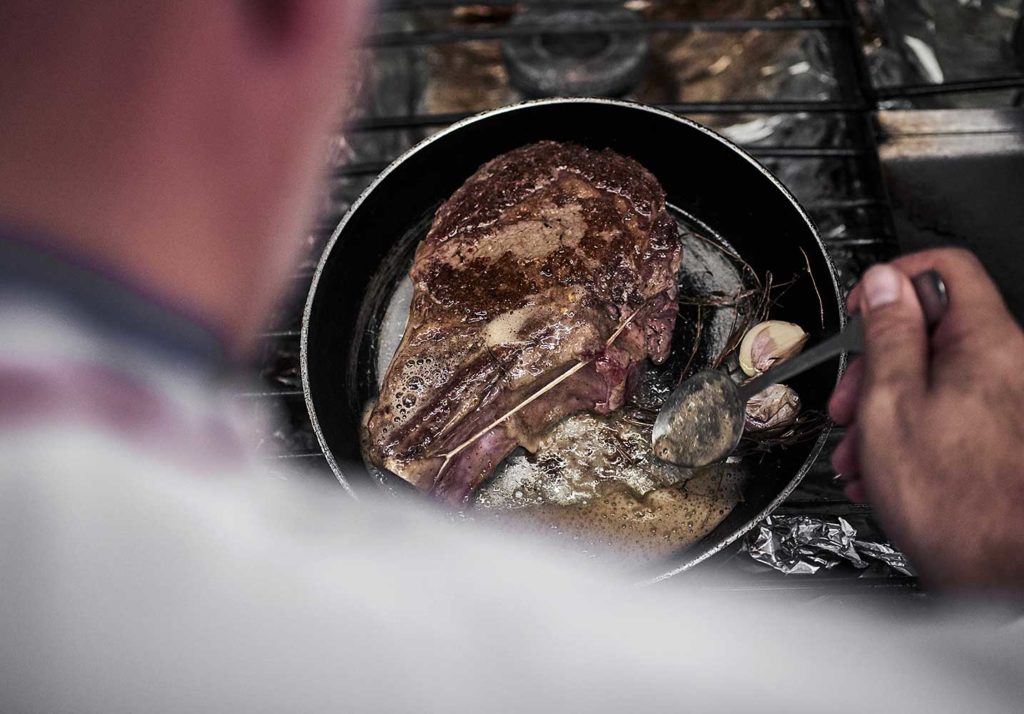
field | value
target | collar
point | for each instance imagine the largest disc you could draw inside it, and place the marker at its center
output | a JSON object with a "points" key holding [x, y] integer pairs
{"points": [[112, 304]]}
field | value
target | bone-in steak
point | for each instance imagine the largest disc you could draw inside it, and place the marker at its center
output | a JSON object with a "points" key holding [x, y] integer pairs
{"points": [[553, 264]]}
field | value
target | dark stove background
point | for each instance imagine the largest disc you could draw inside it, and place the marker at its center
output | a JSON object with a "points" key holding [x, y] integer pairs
{"points": [[796, 82]]}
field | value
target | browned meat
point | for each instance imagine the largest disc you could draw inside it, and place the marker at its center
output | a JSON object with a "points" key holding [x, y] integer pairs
{"points": [[553, 264]]}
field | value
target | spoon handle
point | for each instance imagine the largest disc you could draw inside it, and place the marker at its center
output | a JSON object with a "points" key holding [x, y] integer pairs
{"points": [[931, 294]]}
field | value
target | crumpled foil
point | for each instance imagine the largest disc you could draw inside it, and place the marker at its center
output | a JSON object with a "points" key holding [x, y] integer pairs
{"points": [[803, 545], [933, 41]]}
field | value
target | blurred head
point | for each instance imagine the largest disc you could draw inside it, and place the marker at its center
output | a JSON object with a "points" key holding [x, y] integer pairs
{"points": [[178, 142]]}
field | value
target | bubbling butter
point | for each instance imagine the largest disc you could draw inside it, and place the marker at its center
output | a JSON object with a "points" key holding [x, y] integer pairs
{"points": [[594, 480]]}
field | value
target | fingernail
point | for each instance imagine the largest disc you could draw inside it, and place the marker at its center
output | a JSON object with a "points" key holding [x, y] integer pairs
{"points": [[881, 286]]}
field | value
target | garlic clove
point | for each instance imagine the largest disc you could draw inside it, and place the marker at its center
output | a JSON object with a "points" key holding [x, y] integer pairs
{"points": [[768, 343], [774, 408]]}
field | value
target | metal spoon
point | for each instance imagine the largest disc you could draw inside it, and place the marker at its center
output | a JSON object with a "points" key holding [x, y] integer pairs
{"points": [[702, 420]]}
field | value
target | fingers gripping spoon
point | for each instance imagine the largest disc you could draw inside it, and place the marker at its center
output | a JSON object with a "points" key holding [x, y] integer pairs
{"points": [[702, 420]]}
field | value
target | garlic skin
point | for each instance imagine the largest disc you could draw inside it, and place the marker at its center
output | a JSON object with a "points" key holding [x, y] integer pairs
{"points": [[775, 408], [768, 343]]}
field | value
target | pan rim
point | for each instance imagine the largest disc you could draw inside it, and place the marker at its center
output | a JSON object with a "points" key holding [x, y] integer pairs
{"points": [[779, 186]]}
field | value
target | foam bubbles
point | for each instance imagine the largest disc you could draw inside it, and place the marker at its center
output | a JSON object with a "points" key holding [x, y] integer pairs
{"points": [[594, 480]]}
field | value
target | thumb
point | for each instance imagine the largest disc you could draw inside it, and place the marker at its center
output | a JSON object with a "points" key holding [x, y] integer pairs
{"points": [[895, 336]]}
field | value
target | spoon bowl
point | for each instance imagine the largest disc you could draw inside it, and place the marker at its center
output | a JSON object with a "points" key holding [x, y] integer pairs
{"points": [[701, 421]]}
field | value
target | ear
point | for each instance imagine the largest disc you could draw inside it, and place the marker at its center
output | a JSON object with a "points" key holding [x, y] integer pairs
{"points": [[303, 27]]}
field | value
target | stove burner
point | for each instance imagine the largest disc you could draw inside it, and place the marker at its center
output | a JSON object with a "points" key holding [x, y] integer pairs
{"points": [[604, 63]]}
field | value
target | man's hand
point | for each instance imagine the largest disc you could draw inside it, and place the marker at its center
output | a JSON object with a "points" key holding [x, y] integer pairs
{"points": [[935, 437]]}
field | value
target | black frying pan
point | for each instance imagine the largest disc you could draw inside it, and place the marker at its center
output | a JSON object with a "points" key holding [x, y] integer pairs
{"points": [[703, 174]]}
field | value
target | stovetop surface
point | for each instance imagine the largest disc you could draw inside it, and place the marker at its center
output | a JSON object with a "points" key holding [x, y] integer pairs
{"points": [[816, 90]]}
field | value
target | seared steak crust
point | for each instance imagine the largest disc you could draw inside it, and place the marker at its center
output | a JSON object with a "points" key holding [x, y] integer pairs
{"points": [[549, 256]]}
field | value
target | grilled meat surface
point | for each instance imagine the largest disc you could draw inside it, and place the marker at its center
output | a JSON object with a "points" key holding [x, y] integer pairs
{"points": [[543, 284]]}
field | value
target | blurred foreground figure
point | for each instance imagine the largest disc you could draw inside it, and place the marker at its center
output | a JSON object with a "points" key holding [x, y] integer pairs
{"points": [[155, 160]]}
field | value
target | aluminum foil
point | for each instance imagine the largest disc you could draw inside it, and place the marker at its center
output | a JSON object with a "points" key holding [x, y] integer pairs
{"points": [[803, 545], [934, 41]]}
